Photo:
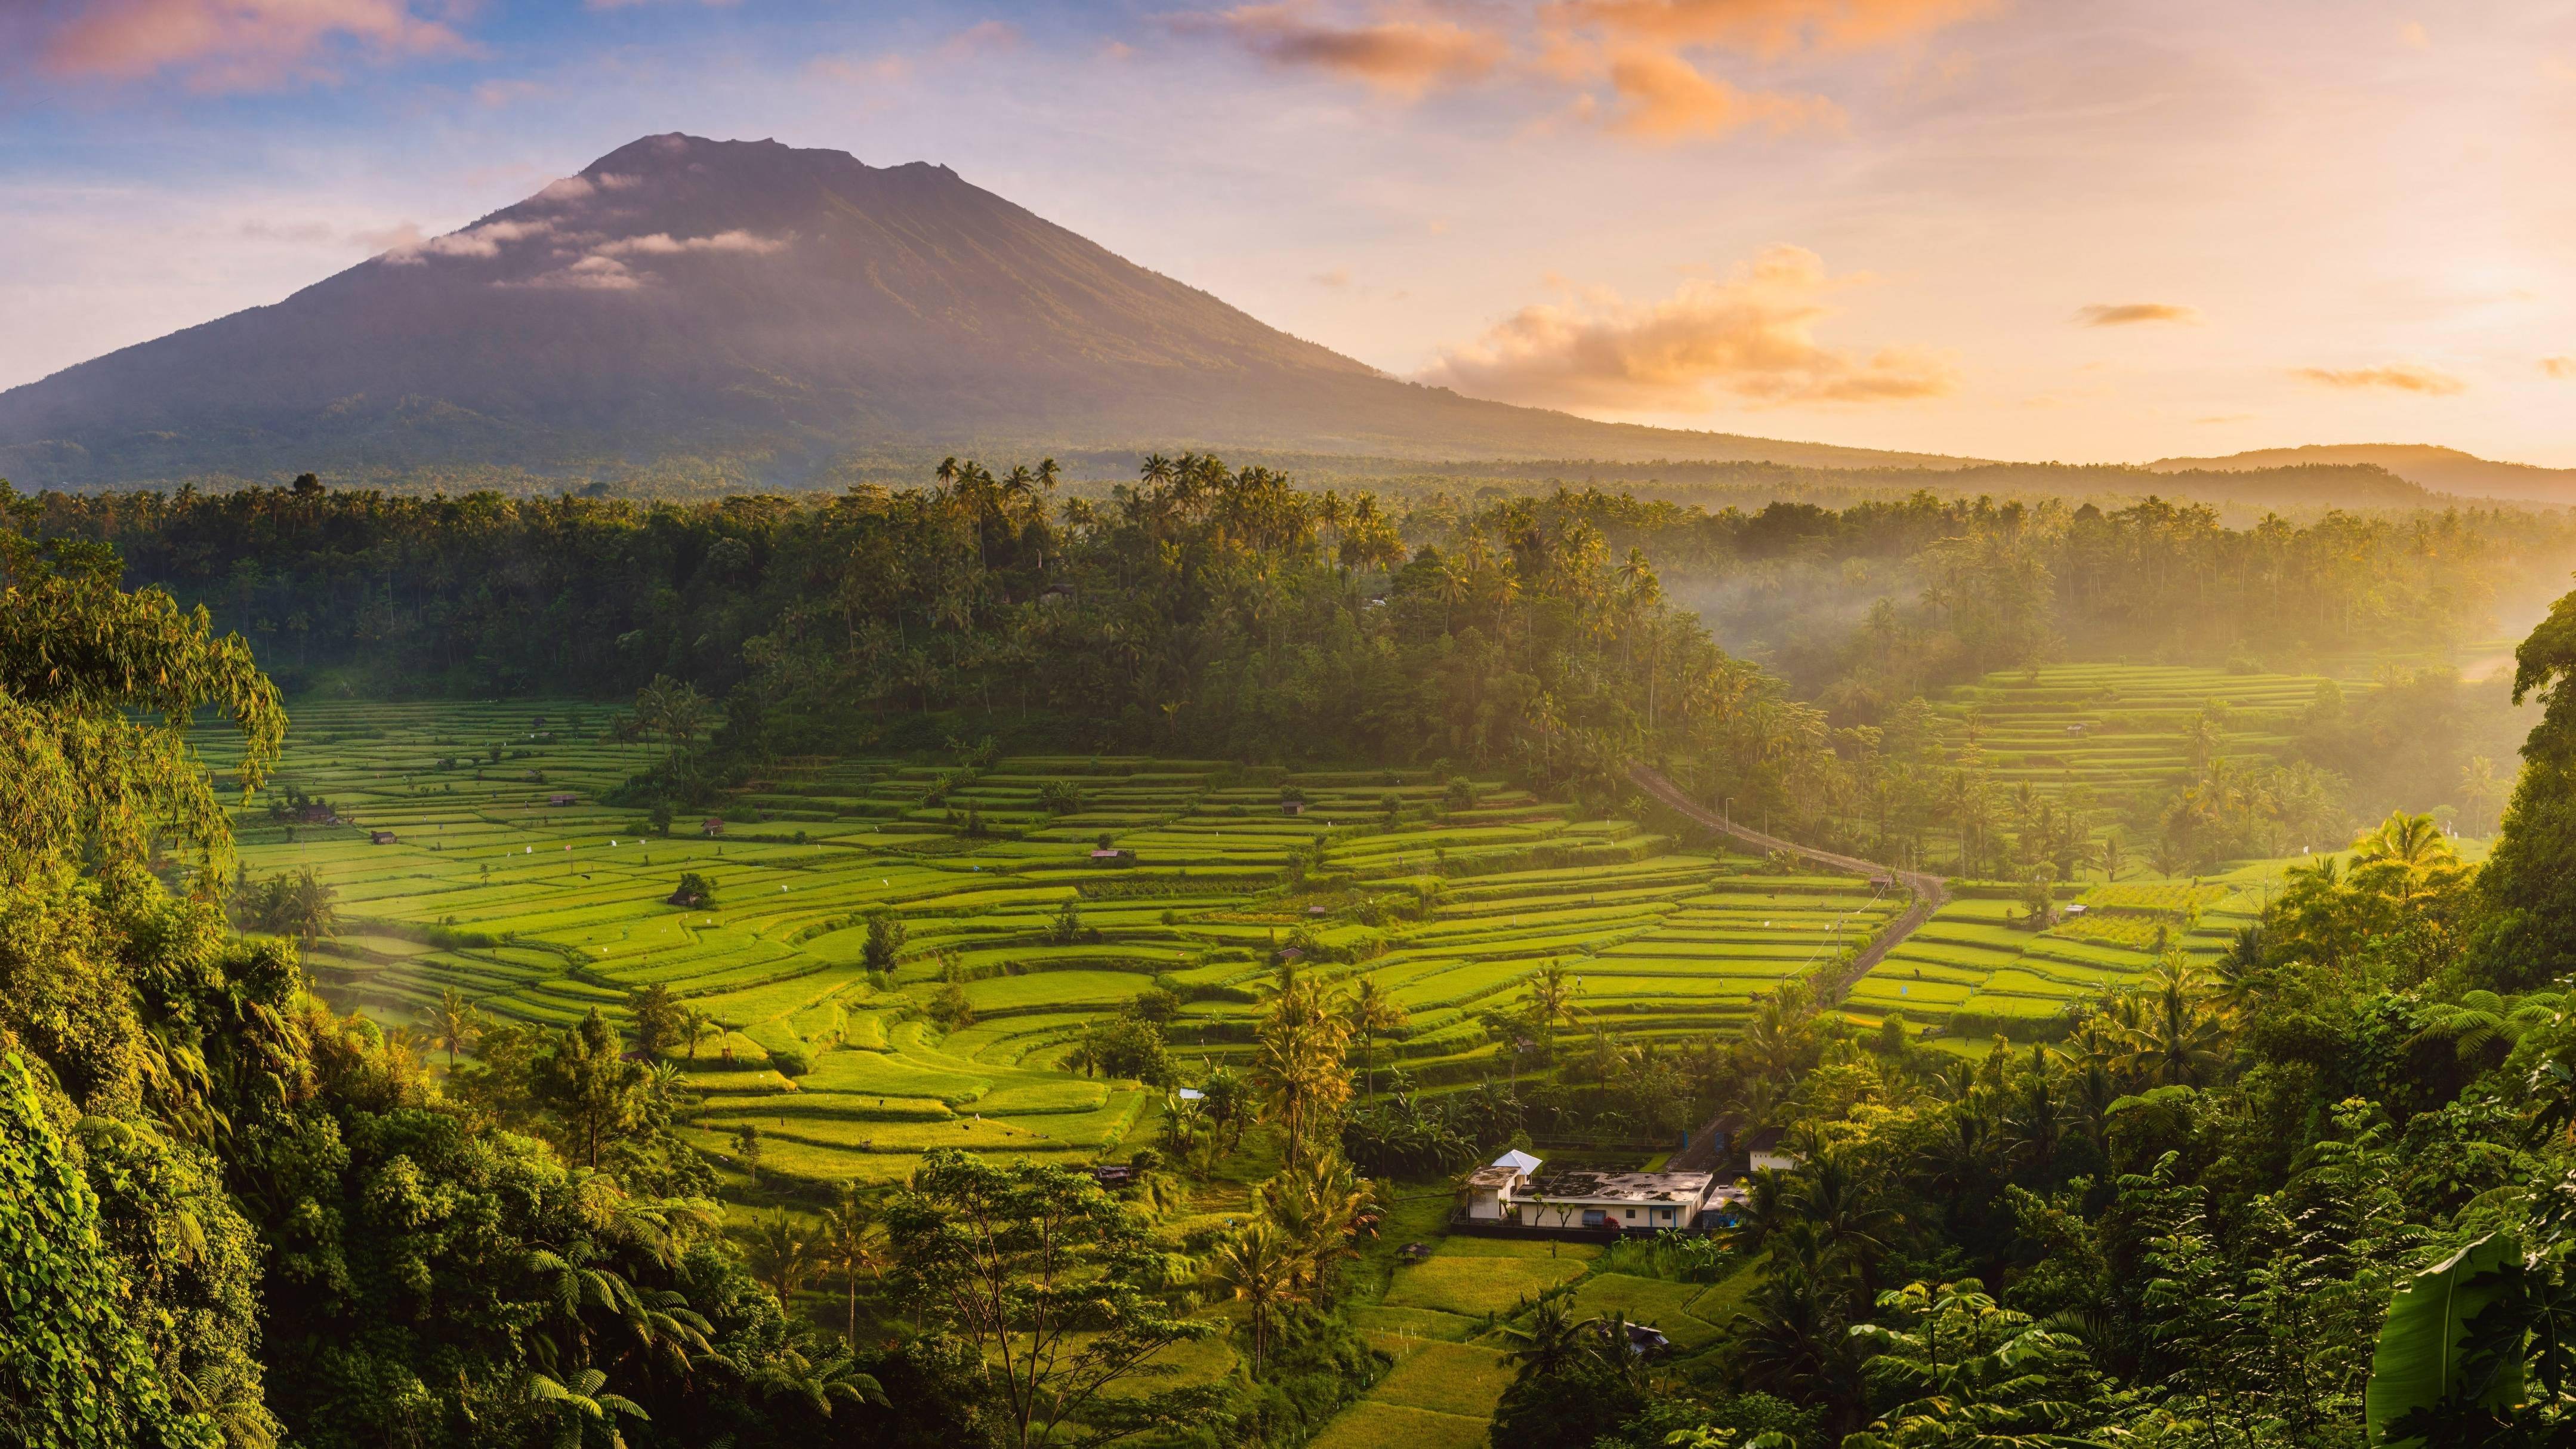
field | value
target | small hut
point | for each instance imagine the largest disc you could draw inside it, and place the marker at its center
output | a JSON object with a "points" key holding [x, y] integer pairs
{"points": [[714, 826], [559, 798], [380, 837]]}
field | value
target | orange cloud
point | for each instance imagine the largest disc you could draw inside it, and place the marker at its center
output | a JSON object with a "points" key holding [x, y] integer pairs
{"points": [[226, 45], [2404, 377], [2561, 367], [1399, 55], [1665, 98], [1750, 337], [1769, 28], [2122, 314]]}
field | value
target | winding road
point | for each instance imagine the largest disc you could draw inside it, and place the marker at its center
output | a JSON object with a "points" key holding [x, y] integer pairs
{"points": [[1928, 891]]}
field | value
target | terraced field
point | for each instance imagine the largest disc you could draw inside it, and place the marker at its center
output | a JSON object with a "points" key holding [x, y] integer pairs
{"points": [[507, 878], [2118, 729]]}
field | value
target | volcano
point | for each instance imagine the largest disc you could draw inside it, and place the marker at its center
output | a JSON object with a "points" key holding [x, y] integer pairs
{"points": [[781, 309]]}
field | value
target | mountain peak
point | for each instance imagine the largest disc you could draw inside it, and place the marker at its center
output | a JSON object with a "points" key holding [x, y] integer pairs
{"points": [[684, 297]]}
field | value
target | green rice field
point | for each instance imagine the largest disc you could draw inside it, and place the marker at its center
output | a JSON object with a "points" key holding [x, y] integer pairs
{"points": [[510, 880]]}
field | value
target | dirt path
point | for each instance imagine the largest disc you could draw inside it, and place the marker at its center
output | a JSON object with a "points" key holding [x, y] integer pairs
{"points": [[1928, 892]]}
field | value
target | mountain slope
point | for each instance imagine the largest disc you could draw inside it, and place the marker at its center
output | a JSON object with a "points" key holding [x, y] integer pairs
{"points": [[778, 308], [2443, 470]]}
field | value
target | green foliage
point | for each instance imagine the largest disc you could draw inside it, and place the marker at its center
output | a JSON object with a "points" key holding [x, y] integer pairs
{"points": [[1045, 1275], [74, 1372], [98, 688]]}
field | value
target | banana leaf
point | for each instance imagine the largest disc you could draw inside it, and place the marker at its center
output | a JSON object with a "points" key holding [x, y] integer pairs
{"points": [[2423, 1357]]}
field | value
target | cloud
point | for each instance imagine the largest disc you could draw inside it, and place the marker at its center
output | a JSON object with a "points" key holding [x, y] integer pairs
{"points": [[493, 95], [2404, 377], [483, 241], [883, 69], [2413, 36], [663, 244], [1398, 54], [590, 274], [2559, 367], [980, 38], [400, 236], [234, 45], [1664, 98], [2123, 314], [1337, 277], [888, 67], [1767, 28], [1749, 337]]}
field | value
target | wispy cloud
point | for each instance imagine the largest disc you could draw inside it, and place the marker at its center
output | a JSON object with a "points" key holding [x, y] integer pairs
{"points": [[1664, 98], [887, 67], [1400, 54], [1637, 69], [1766, 28], [479, 242], [662, 244], [2402, 377], [2558, 367], [238, 45], [1337, 277], [1749, 337], [2125, 314], [590, 274]]}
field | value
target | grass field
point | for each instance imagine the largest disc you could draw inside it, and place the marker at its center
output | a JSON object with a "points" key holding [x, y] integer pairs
{"points": [[509, 879]]}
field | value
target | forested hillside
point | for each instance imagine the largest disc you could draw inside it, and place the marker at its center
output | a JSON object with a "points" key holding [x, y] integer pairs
{"points": [[2292, 1176]]}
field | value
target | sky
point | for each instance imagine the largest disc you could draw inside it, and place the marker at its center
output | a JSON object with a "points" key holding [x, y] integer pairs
{"points": [[2086, 230]]}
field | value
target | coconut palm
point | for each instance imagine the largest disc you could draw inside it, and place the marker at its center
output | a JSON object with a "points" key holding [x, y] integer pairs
{"points": [[454, 1023], [2414, 841], [849, 1246], [1261, 1269], [1853, 1223], [1552, 994], [1372, 1010], [696, 1025], [783, 1254], [2176, 1039]]}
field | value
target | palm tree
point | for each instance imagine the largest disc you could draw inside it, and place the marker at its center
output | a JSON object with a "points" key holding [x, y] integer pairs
{"points": [[1298, 1066], [1372, 1010], [1855, 1227], [849, 1246], [1259, 1268], [1552, 1344], [2479, 791], [2176, 1040], [1552, 994], [782, 1254], [696, 1025], [2414, 841], [454, 1023]]}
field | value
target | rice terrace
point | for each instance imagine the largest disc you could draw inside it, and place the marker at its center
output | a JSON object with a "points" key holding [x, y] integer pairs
{"points": [[1287, 724]]}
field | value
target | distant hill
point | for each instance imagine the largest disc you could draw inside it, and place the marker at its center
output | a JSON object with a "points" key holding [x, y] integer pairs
{"points": [[2443, 470], [758, 314]]}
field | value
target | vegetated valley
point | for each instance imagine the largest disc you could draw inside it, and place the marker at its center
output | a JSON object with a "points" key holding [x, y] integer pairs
{"points": [[996, 963]]}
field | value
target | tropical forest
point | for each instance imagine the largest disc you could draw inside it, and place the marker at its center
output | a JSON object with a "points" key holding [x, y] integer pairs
{"points": [[1191, 959]]}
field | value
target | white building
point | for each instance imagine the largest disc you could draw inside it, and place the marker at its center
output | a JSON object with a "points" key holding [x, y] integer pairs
{"points": [[1487, 1194], [1640, 1202]]}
